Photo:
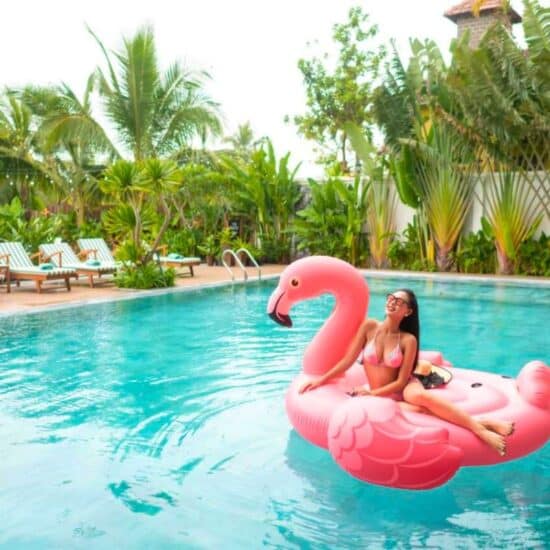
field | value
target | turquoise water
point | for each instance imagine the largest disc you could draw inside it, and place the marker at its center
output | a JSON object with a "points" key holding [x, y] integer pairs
{"points": [[159, 423]]}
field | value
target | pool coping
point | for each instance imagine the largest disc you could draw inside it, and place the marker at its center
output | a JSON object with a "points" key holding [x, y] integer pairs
{"points": [[135, 294]]}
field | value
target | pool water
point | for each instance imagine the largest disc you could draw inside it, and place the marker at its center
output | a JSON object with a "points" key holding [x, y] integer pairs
{"points": [[159, 423]]}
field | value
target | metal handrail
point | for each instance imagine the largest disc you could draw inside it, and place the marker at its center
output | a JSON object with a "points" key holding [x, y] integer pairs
{"points": [[239, 263], [249, 254]]}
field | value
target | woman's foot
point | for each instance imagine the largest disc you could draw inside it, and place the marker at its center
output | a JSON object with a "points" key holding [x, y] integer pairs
{"points": [[498, 426], [493, 439]]}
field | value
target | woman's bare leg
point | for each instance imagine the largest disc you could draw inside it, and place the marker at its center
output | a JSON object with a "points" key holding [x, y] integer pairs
{"points": [[498, 426], [415, 394]]}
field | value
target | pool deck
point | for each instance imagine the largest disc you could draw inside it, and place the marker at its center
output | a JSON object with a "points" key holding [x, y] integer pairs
{"points": [[25, 298], [54, 294]]}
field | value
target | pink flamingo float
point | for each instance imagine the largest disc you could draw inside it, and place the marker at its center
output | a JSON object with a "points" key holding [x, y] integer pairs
{"points": [[373, 438]]}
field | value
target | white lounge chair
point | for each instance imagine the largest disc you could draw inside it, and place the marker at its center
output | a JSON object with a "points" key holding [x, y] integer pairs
{"points": [[177, 260], [62, 255], [97, 249], [21, 267]]}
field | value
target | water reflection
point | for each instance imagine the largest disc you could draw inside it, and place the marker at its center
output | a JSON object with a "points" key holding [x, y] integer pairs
{"points": [[459, 514]]}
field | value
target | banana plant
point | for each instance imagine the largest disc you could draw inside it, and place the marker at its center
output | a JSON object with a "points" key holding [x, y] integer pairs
{"points": [[381, 201], [266, 189], [320, 227], [354, 198], [377, 202]]}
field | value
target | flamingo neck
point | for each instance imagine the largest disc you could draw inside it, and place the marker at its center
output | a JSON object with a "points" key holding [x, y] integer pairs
{"points": [[333, 339]]}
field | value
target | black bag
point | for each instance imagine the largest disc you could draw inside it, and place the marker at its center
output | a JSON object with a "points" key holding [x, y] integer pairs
{"points": [[432, 380]]}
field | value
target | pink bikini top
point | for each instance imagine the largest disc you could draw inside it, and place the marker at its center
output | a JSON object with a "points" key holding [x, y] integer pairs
{"points": [[393, 360]]}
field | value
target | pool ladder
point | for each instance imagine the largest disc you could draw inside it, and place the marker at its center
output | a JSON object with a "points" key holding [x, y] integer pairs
{"points": [[235, 255]]}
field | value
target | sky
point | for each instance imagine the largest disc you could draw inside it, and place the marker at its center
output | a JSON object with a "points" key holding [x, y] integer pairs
{"points": [[250, 48]]}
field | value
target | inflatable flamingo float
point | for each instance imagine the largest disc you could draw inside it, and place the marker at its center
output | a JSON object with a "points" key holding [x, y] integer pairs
{"points": [[373, 438]]}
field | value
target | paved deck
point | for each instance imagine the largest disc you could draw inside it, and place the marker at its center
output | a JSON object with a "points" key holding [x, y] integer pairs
{"points": [[25, 297]]}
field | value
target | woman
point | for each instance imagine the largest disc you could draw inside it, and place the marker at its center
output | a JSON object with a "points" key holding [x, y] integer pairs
{"points": [[389, 356]]}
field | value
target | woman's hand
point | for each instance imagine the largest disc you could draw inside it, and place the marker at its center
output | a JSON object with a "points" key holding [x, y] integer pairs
{"points": [[355, 392], [311, 385]]}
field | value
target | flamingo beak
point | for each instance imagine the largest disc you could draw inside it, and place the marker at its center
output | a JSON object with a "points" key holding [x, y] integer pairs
{"points": [[274, 310], [282, 319]]}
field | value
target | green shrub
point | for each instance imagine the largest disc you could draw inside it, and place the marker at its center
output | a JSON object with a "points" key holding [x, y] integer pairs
{"points": [[273, 251], [145, 276], [476, 254], [182, 241], [534, 257], [403, 252], [42, 228]]}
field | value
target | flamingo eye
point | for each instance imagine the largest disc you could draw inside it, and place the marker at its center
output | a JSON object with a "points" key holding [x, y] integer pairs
{"points": [[295, 282]]}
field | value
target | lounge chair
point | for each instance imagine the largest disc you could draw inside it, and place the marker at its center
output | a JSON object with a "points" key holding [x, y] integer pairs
{"points": [[97, 249], [176, 260], [62, 255], [5, 272], [21, 267]]}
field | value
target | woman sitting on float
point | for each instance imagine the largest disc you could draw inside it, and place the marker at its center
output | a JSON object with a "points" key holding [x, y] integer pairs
{"points": [[390, 351]]}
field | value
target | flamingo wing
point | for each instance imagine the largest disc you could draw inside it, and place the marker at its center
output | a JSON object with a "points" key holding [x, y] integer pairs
{"points": [[369, 438]]}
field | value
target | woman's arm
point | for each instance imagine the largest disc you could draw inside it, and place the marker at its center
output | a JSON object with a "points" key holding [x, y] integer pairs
{"points": [[409, 353], [345, 363]]}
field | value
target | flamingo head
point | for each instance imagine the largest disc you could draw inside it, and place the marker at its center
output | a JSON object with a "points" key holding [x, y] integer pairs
{"points": [[308, 278]]}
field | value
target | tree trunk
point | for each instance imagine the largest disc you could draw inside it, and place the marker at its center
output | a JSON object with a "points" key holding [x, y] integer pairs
{"points": [[344, 160], [443, 260], [505, 264], [165, 223], [80, 211]]}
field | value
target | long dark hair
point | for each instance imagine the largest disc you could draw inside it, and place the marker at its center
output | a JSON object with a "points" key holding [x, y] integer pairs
{"points": [[411, 323]]}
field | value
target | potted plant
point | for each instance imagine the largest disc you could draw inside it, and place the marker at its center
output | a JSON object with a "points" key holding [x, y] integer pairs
{"points": [[209, 248], [241, 243], [226, 242]]}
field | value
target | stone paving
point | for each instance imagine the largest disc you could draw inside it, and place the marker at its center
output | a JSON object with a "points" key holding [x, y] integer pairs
{"points": [[25, 297]]}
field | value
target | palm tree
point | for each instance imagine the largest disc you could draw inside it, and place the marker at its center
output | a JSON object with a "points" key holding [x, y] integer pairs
{"points": [[72, 140], [243, 141], [155, 113], [25, 170]]}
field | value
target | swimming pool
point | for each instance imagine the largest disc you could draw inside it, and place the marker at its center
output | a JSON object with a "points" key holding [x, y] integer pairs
{"points": [[159, 422]]}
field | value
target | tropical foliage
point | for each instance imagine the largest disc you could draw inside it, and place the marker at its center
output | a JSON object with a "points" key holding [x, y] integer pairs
{"points": [[320, 226], [513, 217], [126, 159], [155, 113], [446, 190], [342, 94], [495, 97], [266, 195], [378, 201]]}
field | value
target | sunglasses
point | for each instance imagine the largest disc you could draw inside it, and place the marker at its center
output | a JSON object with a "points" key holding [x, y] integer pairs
{"points": [[390, 298]]}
